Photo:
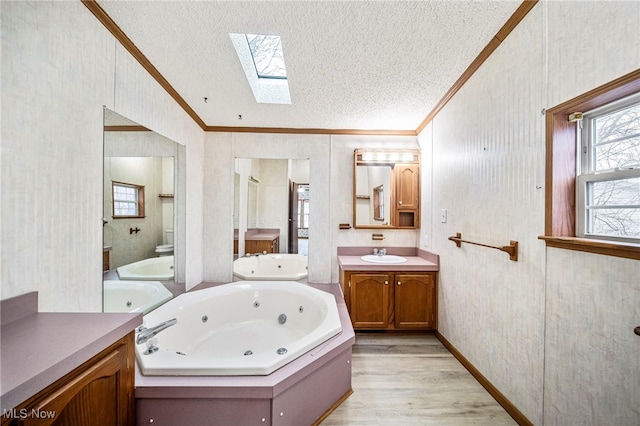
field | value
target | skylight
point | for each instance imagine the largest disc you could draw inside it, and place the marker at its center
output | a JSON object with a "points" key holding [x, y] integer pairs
{"points": [[262, 60], [268, 58]]}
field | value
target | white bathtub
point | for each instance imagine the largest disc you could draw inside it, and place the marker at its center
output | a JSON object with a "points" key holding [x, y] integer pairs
{"points": [[134, 296], [235, 329], [154, 269], [271, 267]]}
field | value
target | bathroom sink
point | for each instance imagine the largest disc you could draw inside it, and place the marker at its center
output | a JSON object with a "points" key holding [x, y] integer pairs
{"points": [[386, 259]]}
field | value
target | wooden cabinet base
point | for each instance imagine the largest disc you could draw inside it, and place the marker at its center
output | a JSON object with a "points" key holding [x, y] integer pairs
{"points": [[99, 392], [391, 300]]}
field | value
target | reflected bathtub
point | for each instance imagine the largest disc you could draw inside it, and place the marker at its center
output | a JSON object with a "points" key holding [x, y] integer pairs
{"points": [[240, 328], [271, 267], [154, 269], [134, 296]]}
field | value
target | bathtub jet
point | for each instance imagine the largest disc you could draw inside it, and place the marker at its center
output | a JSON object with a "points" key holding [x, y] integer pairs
{"points": [[271, 267]]}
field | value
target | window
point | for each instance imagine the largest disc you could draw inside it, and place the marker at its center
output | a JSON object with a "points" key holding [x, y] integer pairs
{"points": [[262, 59], [608, 184], [569, 182], [303, 208], [268, 59], [128, 200]]}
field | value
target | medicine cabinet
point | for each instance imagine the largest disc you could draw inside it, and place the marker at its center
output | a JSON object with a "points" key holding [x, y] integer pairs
{"points": [[386, 189]]}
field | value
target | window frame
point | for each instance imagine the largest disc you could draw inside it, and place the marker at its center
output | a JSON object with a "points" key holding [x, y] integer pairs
{"points": [[587, 174], [561, 170], [139, 200]]}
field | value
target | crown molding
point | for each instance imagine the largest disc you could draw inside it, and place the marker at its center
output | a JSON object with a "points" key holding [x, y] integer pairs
{"points": [[493, 44]]}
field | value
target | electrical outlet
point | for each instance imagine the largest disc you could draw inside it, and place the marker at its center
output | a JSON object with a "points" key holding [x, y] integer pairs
{"points": [[443, 216]]}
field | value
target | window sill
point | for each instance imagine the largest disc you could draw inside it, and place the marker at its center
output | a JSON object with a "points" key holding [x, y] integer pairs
{"points": [[608, 248]]}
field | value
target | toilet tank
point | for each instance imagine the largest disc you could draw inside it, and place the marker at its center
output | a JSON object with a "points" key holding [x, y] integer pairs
{"points": [[168, 236]]}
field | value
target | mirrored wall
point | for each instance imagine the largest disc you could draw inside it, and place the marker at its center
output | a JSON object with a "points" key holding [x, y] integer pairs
{"points": [[271, 206], [143, 216]]}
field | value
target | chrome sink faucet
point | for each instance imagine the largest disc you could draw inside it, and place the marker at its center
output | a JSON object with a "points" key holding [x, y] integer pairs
{"points": [[148, 333], [380, 252]]}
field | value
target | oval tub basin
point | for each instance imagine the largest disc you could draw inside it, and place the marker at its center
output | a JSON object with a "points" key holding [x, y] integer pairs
{"points": [[154, 269], [240, 328], [271, 267]]}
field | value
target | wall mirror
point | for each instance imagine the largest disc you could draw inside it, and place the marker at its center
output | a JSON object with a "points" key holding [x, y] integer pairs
{"points": [[271, 206], [386, 189], [143, 215]]}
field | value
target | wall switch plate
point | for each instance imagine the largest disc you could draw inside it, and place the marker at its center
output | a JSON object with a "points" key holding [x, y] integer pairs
{"points": [[443, 216]]}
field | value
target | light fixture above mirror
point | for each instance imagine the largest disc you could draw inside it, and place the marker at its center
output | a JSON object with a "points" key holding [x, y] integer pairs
{"points": [[386, 189]]}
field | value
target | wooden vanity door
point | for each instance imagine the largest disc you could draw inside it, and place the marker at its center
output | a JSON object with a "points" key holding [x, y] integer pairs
{"points": [[415, 301], [407, 186], [98, 393], [369, 300]]}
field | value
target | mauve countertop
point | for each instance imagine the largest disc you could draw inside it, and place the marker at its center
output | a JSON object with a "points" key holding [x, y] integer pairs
{"points": [[417, 260], [261, 234], [40, 348]]}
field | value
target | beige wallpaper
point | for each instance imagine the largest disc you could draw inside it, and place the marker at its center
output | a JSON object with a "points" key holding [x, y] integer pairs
{"points": [[553, 331], [60, 66]]}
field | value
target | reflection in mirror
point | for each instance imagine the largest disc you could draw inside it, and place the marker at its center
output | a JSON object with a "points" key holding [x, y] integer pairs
{"points": [[386, 188], [271, 207], [371, 198], [140, 217], [378, 203]]}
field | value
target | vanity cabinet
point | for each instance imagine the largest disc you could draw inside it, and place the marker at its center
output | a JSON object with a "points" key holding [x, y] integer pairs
{"points": [[262, 245], [407, 195], [99, 392], [391, 300]]}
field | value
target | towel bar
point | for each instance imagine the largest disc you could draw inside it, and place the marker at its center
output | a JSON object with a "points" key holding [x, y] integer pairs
{"points": [[511, 249]]}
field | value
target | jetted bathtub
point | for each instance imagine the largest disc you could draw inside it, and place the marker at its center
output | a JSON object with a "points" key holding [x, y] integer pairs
{"points": [[240, 328], [134, 296], [154, 269], [271, 267]]}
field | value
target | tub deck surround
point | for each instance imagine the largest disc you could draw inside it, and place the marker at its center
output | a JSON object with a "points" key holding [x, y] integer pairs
{"points": [[417, 260], [300, 393], [40, 348]]}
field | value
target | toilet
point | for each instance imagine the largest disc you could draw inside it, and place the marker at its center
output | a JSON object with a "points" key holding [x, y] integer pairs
{"points": [[166, 249]]}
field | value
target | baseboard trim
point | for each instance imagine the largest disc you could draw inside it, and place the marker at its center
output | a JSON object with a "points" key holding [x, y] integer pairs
{"points": [[331, 409], [517, 415]]}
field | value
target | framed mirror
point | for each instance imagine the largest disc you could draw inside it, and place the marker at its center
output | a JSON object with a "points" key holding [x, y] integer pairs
{"points": [[386, 189], [143, 217]]}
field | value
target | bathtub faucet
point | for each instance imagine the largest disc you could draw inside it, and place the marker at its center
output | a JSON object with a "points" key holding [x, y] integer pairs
{"points": [[148, 333]]}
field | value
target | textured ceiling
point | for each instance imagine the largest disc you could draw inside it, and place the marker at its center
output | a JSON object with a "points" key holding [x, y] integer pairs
{"points": [[350, 64]]}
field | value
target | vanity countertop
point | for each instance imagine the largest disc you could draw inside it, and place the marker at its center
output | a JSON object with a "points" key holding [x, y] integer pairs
{"points": [[417, 260], [262, 234], [39, 348]]}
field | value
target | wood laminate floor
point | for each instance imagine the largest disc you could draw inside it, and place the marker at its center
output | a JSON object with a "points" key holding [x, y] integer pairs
{"points": [[413, 380]]}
